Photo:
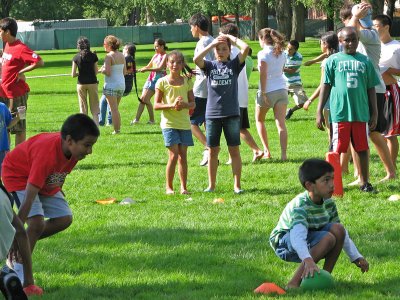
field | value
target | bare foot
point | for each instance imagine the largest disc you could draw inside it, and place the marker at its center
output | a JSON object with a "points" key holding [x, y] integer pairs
{"points": [[387, 178], [258, 155], [355, 182], [266, 155], [169, 191], [185, 192]]}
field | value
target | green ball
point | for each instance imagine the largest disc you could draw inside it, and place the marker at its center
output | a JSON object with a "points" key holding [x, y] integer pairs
{"points": [[320, 281]]}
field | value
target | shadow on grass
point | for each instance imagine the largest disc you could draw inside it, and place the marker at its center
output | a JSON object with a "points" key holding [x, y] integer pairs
{"points": [[156, 263]]}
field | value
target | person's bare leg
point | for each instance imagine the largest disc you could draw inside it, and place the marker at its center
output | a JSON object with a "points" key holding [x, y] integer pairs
{"points": [[116, 117], [318, 252], [279, 113], [173, 153], [261, 129], [20, 137], [234, 153], [384, 154], [344, 161], [362, 160], [183, 168], [212, 166], [248, 138], [393, 145], [199, 135], [40, 229]]}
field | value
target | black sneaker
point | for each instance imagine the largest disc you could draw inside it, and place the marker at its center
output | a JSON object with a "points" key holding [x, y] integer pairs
{"points": [[367, 187], [289, 113], [10, 285]]}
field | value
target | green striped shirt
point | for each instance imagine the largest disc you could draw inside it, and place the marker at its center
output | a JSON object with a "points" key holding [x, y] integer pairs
{"points": [[301, 210], [293, 62]]}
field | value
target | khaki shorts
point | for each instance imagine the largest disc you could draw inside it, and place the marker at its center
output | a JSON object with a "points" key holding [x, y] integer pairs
{"points": [[18, 101], [298, 94]]}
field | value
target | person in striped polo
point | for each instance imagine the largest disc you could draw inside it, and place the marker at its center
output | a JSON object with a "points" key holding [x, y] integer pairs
{"points": [[292, 74], [309, 227]]}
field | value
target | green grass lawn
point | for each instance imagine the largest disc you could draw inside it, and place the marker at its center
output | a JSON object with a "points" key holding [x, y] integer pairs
{"points": [[176, 247]]}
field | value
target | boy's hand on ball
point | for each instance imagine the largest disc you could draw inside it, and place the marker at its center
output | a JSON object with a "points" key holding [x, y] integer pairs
{"points": [[310, 267], [362, 264]]}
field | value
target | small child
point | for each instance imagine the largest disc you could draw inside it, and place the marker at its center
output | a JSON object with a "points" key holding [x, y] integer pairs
{"points": [[35, 171], [222, 110], [6, 122], [129, 53], [292, 74], [309, 227], [174, 96], [156, 67], [349, 84]]}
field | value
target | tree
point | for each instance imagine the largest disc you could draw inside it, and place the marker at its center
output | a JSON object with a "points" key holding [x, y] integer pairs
{"points": [[261, 15], [47, 10], [6, 6], [391, 7], [284, 16], [298, 22]]}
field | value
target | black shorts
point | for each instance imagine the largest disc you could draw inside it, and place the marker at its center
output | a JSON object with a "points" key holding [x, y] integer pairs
{"points": [[199, 114], [382, 123], [244, 118]]}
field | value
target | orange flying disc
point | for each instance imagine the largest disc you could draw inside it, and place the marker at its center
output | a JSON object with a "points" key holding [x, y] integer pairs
{"points": [[107, 201]]}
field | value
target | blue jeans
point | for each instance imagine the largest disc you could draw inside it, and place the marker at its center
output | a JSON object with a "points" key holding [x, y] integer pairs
{"points": [[104, 111], [230, 126], [285, 249]]}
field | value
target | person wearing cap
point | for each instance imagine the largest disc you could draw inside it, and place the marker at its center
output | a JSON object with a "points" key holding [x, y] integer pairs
{"points": [[359, 17], [389, 65]]}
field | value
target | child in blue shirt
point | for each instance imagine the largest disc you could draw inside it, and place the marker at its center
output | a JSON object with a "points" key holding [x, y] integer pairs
{"points": [[6, 122]]}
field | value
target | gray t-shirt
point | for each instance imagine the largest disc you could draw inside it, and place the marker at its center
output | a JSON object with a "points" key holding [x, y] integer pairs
{"points": [[370, 45], [222, 84], [200, 84]]}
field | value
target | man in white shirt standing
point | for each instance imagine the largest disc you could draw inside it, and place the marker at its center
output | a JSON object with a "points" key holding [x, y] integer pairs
{"points": [[199, 25], [389, 65]]}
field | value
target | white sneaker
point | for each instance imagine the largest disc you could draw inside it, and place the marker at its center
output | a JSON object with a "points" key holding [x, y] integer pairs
{"points": [[204, 161], [19, 269], [133, 122]]}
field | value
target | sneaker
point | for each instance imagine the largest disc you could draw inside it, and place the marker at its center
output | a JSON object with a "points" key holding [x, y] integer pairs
{"points": [[10, 285], [133, 122], [33, 290], [204, 161], [367, 187], [289, 113]]}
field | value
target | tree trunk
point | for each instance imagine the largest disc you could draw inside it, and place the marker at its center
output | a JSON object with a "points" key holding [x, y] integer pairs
{"points": [[237, 20], [261, 15], [6, 8], [253, 24], [284, 17], [298, 22], [377, 7], [210, 28], [391, 7]]}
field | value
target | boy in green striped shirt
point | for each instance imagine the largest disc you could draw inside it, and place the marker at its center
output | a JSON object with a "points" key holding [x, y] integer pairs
{"points": [[292, 74], [309, 227]]}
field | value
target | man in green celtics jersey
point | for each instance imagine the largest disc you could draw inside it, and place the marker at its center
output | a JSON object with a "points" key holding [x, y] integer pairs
{"points": [[349, 82], [309, 227]]}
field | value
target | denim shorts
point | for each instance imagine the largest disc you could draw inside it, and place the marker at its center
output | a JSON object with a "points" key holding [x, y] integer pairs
{"points": [[48, 206], [151, 84], [177, 137], [285, 249], [231, 128], [199, 114]]}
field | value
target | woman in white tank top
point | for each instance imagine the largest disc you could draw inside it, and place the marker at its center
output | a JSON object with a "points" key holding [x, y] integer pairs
{"points": [[114, 69]]}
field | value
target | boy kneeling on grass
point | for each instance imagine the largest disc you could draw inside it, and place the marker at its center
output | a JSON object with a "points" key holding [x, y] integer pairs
{"points": [[309, 227], [34, 172]]}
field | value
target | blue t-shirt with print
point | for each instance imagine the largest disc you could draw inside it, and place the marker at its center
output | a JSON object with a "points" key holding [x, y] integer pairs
{"points": [[5, 119], [222, 85]]}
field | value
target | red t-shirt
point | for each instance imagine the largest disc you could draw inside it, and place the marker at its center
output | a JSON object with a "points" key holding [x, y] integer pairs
{"points": [[15, 57], [39, 161]]}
